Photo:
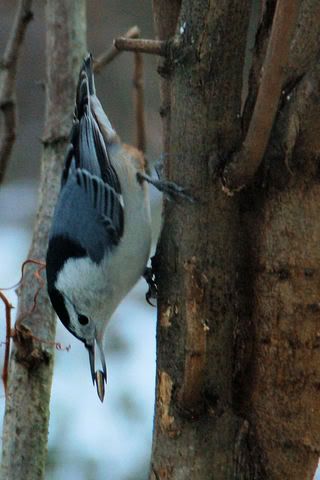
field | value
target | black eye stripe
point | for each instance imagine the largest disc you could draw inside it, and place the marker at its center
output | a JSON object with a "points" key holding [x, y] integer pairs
{"points": [[83, 320]]}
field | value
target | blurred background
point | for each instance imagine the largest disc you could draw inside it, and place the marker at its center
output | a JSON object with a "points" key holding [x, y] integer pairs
{"points": [[87, 440]]}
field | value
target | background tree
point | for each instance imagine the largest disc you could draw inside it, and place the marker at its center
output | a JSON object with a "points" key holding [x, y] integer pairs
{"points": [[31, 365]]}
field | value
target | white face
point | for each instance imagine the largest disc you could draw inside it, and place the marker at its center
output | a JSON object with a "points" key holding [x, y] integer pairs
{"points": [[81, 324], [86, 290]]}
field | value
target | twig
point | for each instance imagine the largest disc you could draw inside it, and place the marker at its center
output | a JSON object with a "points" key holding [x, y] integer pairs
{"points": [[8, 82], [17, 328], [246, 162], [153, 47], [8, 308], [107, 57], [138, 97], [40, 263]]}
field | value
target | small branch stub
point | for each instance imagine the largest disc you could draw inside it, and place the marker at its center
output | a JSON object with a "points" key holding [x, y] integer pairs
{"points": [[153, 47]]}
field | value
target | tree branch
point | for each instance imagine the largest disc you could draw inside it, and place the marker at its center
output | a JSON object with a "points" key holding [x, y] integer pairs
{"points": [[105, 58], [139, 101], [246, 162], [153, 47], [8, 82]]}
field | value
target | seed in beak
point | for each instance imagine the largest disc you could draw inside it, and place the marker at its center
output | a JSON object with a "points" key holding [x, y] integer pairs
{"points": [[100, 379]]}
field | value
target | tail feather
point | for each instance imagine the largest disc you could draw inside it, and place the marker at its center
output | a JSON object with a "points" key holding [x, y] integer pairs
{"points": [[85, 87]]}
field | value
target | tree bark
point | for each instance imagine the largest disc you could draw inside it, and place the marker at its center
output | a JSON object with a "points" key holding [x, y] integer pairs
{"points": [[238, 358], [278, 391], [25, 428], [166, 13]]}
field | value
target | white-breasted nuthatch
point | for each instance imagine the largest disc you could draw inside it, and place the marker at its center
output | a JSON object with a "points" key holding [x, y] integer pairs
{"points": [[100, 238]]}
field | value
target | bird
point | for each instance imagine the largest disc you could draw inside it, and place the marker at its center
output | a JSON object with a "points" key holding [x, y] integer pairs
{"points": [[100, 237]]}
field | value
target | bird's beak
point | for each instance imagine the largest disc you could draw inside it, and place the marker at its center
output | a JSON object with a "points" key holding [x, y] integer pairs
{"points": [[99, 376]]}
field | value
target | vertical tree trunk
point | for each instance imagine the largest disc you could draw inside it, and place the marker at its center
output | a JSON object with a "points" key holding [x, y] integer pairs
{"points": [[27, 403], [279, 392], [238, 332], [198, 254]]}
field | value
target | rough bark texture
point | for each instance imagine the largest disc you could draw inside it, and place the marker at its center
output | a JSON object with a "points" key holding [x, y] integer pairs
{"points": [[195, 426], [280, 388], [238, 333], [31, 364], [166, 13]]}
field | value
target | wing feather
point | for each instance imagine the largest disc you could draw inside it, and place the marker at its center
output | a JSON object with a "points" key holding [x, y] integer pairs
{"points": [[104, 199], [90, 204]]}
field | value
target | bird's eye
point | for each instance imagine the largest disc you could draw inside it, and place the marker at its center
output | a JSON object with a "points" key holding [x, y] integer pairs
{"points": [[83, 320]]}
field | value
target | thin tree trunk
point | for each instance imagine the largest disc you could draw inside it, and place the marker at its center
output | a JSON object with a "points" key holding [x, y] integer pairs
{"points": [[25, 428]]}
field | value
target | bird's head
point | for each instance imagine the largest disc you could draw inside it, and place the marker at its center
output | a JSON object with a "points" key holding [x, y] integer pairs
{"points": [[83, 326]]}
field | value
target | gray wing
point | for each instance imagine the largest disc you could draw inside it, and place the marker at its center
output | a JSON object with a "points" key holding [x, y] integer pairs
{"points": [[89, 208], [90, 212], [105, 200]]}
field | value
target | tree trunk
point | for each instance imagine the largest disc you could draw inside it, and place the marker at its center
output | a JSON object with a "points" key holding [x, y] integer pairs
{"points": [[278, 389], [195, 425], [238, 362], [25, 428]]}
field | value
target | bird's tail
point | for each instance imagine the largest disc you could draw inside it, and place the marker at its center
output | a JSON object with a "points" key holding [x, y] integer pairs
{"points": [[85, 87], [87, 102]]}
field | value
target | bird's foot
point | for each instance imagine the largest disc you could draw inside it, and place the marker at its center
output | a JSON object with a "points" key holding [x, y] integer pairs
{"points": [[152, 292], [170, 189]]}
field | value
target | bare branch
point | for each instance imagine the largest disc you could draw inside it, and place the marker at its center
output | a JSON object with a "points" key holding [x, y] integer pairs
{"points": [[105, 58], [8, 82], [246, 162], [138, 98], [153, 47]]}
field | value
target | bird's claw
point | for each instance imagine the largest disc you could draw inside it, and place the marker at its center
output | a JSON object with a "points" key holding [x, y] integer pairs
{"points": [[173, 190], [152, 292], [168, 188]]}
